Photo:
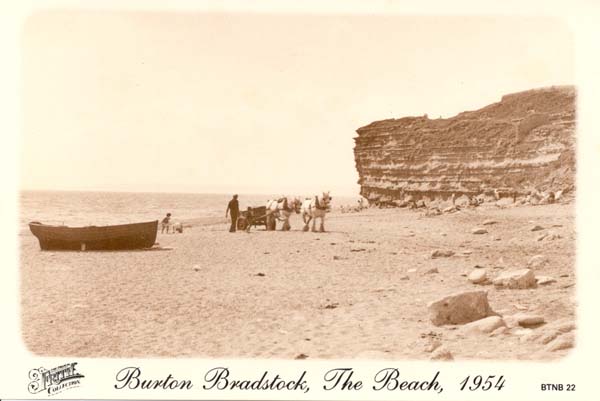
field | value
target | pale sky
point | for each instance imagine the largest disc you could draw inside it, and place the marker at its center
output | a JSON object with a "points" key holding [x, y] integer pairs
{"points": [[195, 102]]}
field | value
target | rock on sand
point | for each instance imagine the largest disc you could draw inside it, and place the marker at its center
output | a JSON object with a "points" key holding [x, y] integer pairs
{"points": [[543, 280], [527, 320], [537, 262], [517, 279], [565, 341], [478, 276], [460, 308], [441, 354], [485, 325], [479, 230], [441, 254]]}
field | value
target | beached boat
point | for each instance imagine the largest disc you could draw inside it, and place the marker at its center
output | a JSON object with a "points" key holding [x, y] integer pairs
{"points": [[123, 236]]}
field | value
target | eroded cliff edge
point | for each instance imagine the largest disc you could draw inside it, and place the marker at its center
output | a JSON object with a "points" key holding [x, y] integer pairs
{"points": [[524, 143]]}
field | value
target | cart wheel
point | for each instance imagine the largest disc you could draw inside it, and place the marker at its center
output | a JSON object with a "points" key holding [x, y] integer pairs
{"points": [[242, 224]]}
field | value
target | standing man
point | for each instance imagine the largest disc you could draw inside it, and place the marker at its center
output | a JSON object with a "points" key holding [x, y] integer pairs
{"points": [[234, 207]]}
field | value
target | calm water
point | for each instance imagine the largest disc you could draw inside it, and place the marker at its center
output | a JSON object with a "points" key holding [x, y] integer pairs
{"points": [[100, 208]]}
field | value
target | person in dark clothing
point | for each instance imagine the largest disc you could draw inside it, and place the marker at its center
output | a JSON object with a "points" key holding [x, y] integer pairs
{"points": [[234, 208], [166, 223]]}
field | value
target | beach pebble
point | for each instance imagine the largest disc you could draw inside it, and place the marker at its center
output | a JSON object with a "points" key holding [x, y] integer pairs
{"points": [[537, 228], [442, 354], [520, 307], [511, 321], [544, 280], [441, 253], [459, 308], [499, 331], [432, 345], [479, 230], [485, 325], [565, 327], [411, 270], [541, 237], [565, 341], [547, 336], [478, 276], [552, 236], [489, 222], [432, 270], [517, 279], [537, 262], [525, 333], [404, 278], [527, 320]]}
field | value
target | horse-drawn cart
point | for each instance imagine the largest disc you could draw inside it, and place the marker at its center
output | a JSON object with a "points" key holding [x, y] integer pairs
{"points": [[255, 216]]}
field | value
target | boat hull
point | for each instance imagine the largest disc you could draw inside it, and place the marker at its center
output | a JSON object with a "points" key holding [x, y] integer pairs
{"points": [[92, 238]]}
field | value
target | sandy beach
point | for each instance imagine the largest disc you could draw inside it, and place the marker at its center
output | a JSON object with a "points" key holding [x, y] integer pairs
{"points": [[359, 290]]}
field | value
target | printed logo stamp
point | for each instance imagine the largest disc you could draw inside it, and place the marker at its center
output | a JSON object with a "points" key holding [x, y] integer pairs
{"points": [[55, 380]]}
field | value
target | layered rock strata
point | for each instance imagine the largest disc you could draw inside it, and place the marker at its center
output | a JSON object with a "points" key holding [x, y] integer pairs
{"points": [[522, 144]]}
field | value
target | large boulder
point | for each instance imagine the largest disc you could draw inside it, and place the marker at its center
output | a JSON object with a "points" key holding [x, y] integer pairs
{"points": [[460, 308], [516, 279]]}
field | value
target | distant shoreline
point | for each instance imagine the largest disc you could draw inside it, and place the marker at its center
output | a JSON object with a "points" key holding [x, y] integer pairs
{"points": [[241, 193]]}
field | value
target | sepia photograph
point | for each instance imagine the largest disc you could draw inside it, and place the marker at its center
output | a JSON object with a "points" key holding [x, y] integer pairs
{"points": [[297, 186], [283, 200]]}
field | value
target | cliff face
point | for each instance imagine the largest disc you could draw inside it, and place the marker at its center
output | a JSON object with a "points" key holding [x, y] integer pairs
{"points": [[525, 142]]}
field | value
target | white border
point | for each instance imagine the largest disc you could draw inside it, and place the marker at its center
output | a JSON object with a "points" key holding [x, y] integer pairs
{"points": [[523, 378]]}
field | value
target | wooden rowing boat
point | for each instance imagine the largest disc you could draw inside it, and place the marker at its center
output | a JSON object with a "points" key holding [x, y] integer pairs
{"points": [[118, 237]]}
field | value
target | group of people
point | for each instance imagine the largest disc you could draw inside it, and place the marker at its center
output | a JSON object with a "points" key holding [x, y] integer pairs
{"points": [[233, 208]]}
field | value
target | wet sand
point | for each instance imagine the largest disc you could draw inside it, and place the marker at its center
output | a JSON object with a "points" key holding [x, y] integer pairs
{"points": [[339, 294]]}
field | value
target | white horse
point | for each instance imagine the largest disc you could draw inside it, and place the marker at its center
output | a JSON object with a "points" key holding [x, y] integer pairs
{"points": [[282, 209], [314, 208]]}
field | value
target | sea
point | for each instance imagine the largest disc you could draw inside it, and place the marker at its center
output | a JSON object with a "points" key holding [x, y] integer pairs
{"points": [[84, 208]]}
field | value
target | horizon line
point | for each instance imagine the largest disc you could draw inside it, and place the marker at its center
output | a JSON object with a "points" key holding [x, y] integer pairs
{"points": [[20, 190]]}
